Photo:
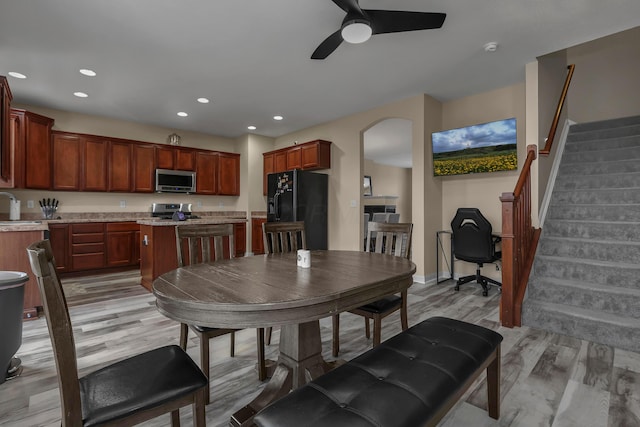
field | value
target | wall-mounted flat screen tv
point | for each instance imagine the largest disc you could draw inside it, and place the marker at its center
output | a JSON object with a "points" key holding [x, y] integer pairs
{"points": [[486, 147]]}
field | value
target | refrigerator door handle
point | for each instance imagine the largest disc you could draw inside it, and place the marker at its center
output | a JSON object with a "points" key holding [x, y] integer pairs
{"points": [[276, 205]]}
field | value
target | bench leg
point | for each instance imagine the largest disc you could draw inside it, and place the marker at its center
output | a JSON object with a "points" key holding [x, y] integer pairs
{"points": [[493, 386]]}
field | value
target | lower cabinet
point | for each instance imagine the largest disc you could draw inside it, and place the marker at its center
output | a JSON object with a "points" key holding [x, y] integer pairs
{"points": [[123, 244], [257, 243], [95, 245]]}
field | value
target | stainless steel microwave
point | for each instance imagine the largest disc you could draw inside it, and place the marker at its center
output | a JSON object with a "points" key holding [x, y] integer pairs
{"points": [[170, 181]]}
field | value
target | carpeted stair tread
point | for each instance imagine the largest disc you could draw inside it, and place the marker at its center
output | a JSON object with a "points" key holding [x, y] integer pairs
{"points": [[595, 182], [599, 167], [597, 195], [592, 325], [599, 263], [601, 212], [590, 249], [594, 145], [620, 122], [610, 298]]}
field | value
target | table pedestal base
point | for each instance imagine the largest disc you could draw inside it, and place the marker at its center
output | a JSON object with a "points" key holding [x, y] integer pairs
{"points": [[299, 362]]}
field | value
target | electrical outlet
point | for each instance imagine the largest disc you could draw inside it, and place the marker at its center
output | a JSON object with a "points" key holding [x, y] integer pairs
{"points": [[123, 203], [30, 204], [199, 204], [354, 204], [221, 204]]}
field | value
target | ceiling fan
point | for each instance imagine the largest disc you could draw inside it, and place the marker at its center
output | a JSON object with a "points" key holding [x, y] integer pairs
{"points": [[359, 24]]}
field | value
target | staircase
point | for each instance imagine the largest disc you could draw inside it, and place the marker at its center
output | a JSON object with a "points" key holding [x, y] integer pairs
{"points": [[586, 275]]}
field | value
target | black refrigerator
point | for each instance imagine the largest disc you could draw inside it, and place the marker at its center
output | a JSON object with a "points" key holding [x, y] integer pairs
{"points": [[300, 196]]}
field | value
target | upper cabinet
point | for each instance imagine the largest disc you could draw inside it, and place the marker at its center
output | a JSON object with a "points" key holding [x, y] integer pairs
{"points": [[170, 157], [32, 150], [6, 154], [312, 155], [65, 161], [143, 168], [217, 173], [228, 174]]}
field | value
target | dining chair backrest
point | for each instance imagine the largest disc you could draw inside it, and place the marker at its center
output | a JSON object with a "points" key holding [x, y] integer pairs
{"points": [[365, 224], [194, 243], [60, 330], [393, 218], [392, 239], [281, 237], [379, 217]]}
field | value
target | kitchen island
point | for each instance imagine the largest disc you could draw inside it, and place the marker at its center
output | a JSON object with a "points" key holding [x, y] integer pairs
{"points": [[158, 243]]}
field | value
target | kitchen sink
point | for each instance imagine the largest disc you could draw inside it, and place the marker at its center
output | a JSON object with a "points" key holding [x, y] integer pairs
{"points": [[5, 223]]}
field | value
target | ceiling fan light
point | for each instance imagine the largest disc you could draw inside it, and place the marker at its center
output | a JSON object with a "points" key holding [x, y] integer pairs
{"points": [[356, 31]]}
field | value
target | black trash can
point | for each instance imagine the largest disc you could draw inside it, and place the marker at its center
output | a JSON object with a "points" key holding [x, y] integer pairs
{"points": [[11, 302]]}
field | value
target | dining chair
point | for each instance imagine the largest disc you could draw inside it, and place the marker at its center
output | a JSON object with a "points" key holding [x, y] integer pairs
{"points": [[281, 237], [124, 393], [209, 243], [365, 227], [391, 239]]}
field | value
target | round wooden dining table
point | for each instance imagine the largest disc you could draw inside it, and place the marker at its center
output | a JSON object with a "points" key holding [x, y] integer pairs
{"points": [[271, 290]]}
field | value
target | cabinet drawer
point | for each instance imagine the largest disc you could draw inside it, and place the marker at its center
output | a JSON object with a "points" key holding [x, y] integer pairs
{"points": [[88, 248], [95, 227], [87, 238], [87, 261], [122, 226]]}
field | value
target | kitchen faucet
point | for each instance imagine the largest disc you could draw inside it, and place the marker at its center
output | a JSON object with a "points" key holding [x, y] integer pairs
{"points": [[14, 206]]}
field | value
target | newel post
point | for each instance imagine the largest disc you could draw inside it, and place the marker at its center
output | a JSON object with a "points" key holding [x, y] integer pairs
{"points": [[508, 257]]}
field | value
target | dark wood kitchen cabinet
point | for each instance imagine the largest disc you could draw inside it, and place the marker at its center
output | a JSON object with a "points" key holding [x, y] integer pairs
{"points": [[228, 174], [123, 247], [66, 162], [257, 242], [268, 166], [294, 158], [87, 246], [32, 150], [120, 166], [6, 146], [171, 157], [95, 165], [59, 237], [206, 172], [144, 168]]}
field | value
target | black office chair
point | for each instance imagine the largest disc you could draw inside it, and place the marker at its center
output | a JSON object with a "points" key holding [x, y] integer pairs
{"points": [[474, 241]]}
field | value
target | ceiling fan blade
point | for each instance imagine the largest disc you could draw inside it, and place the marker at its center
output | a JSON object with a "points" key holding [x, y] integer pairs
{"points": [[329, 44], [395, 21], [348, 5]]}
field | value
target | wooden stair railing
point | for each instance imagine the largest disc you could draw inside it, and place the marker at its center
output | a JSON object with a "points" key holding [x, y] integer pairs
{"points": [[519, 237], [554, 125]]}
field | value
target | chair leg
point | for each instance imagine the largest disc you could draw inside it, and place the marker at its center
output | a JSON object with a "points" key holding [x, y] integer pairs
{"points": [[336, 334], [199, 419], [262, 364], [367, 330], [268, 337], [204, 365], [184, 333], [377, 329], [175, 418], [232, 344], [403, 312]]}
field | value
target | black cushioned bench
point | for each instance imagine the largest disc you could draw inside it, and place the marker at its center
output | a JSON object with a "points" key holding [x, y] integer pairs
{"points": [[410, 380]]}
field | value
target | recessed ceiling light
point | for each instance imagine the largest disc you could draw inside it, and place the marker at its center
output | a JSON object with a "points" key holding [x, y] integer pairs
{"points": [[491, 47], [17, 75], [80, 94], [203, 100], [278, 117], [87, 72], [251, 127], [182, 114]]}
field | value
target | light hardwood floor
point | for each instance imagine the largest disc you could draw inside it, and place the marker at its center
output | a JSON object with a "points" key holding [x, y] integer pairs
{"points": [[547, 379]]}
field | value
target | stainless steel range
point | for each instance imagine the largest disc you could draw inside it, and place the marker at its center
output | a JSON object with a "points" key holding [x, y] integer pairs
{"points": [[167, 210]]}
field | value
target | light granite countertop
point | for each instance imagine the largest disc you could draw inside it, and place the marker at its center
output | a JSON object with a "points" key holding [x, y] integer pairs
{"points": [[36, 224]]}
